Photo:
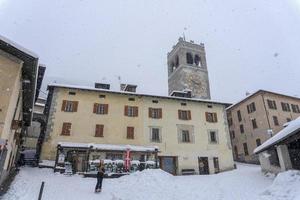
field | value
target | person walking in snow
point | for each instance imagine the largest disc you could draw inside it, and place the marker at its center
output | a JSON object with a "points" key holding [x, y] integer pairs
{"points": [[100, 175]]}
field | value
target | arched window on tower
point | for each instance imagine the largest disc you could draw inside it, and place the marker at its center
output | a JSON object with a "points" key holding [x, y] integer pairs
{"points": [[172, 67], [176, 61], [189, 58], [197, 60]]}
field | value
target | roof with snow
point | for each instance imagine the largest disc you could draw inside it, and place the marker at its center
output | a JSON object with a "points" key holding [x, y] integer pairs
{"points": [[259, 92], [111, 147], [89, 88], [292, 128]]}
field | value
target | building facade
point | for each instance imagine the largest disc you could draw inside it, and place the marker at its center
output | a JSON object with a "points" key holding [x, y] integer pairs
{"points": [[18, 77], [187, 69], [257, 118], [188, 133]]}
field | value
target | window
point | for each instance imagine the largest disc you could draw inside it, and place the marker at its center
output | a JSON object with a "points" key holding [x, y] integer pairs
{"points": [[211, 117], [184, 114], [213, 137], [239, 115], [72, 93], [131, 111], [254, 124], [209, 106], [66, 129], [288, 119], [242, 128], [154, 101], [101, 109], [232, 134], [99, 130], [285, 107], [102, 96], [271, 104], [185, 136], [258, 142], [130, 132], [245, 149], [275, 120], [183, 104], [295, 108], [69, 106], [230, 121], [131, 99], [155, 135], [197, 60], [155, 113], [189, 58], [251, 107]]}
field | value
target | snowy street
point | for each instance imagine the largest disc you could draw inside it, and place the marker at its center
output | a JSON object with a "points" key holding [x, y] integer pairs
{"points": [[247, 182]]}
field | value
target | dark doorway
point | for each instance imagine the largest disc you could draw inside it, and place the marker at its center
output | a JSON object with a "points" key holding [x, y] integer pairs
{"points": [[216, 165], [203, 165], [294, 151], [168, 164]]}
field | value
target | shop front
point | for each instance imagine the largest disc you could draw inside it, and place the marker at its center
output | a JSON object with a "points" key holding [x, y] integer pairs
{"points": [[118, 159]]}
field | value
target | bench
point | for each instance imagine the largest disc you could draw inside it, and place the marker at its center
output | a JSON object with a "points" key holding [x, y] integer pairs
{"points": [[188, 171]]}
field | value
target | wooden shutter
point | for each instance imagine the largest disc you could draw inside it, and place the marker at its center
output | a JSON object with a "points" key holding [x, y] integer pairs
{"points": [[95, 108], [66, 128], [105, 108], [150, 113], [136, 111], [75, 104], [126, 110], [99, 130], [215, 117], [63, 106], [130, 132], [179, 114], [160, 113], [189, 115], [206, 116]]}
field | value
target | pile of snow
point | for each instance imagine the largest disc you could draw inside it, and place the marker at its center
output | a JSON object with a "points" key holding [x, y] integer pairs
{"points": [[47, 163], [285, 186]]}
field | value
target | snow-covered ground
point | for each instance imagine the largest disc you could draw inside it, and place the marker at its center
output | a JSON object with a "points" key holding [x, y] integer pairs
{"points": [[245, 183]]}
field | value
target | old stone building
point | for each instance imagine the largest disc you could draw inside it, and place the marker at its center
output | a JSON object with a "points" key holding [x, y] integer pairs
{"points": [[87, 124], [257, 118], [187, 69]]}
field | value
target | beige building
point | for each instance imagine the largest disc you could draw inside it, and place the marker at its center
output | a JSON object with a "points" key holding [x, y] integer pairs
{"points": [[256, 118], [189, 134], [18, 77]]}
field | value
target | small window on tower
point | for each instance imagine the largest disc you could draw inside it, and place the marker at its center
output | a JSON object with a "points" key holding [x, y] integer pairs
{"points": [[176, 61], [189, 58], [197, 60]]}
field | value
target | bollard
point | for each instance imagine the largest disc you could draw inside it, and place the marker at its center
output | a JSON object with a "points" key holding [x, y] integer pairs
{"points": [[41, 191]]}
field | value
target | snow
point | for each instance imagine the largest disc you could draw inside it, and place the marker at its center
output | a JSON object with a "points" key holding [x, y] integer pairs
{"points": [[109, 146], [245, 183], [40, 104], [291, 129], [132, 93], [17, 46]]}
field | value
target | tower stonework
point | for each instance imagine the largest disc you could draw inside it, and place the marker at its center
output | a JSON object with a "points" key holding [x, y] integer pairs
{"points": [[187, 69]]}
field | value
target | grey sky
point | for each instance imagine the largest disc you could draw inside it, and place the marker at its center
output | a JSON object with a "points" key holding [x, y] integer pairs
{"points": [[249, 44]]}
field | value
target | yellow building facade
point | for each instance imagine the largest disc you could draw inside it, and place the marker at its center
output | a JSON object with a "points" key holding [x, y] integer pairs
{"points": [[190, 134]]}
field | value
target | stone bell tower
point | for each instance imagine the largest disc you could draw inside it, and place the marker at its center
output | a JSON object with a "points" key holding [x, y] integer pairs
{"points": [[187, 69]]}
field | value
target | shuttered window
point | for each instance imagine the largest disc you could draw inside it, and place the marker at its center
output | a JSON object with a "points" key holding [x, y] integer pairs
{"points": [[285, 107], [251, 107], [99, 130], [211, 117], [155, 113], [130, 132], [131, 111], [101, 109], [66, 129], [271, 104], [69, 106], [184, 114]]}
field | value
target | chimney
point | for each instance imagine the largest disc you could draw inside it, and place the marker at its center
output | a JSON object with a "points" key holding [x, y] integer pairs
{"points": [[128, 87], [102, 86]]}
